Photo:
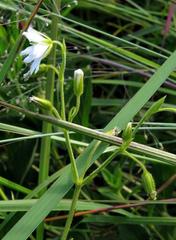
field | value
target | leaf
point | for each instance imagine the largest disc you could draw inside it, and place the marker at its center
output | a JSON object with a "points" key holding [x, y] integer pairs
{"points": [[108, 177], [12, 185], [3, 39], [130, 220], [152, 110], [117, 178], [25, 205]]}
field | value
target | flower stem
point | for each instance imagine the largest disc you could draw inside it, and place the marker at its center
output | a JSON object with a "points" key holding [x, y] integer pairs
{"points": [[76, 109], [47, 127], [72, 158], [101, 167], [135, 160], [60, 89], [71, 212], [63, 115], [61, 80]]}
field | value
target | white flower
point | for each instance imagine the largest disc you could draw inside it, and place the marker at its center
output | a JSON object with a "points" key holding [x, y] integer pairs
{"points": [[40, 47]]}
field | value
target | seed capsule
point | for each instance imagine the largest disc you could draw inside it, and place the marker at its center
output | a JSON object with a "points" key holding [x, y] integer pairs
{"points": [[149, 184]]}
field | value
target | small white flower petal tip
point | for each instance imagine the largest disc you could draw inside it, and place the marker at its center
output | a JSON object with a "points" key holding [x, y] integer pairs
{"points": [[41, 46]]}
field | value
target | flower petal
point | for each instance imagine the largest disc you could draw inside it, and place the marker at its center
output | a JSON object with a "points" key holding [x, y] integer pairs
{"points": [[34, 36], [29, 59], [35, 66], [26, 51], [39, 50], [36, 51]]}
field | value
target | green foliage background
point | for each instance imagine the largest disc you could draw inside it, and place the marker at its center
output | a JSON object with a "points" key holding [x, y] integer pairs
{"points": [[119, 45]]}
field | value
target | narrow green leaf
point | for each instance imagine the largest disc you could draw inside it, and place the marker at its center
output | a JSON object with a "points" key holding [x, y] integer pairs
{"points": [[152, 110], [131, 220], [64, 205], [11, 58], [14, 186]]}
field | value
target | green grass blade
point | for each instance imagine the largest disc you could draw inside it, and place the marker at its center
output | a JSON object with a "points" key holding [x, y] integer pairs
{"points": [[133, 220], [14, 186], [10, 58], [64, 205], [15, 129]]}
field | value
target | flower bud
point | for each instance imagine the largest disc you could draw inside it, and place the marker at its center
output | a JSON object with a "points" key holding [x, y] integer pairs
{"points": [[149, 184], [41, 102], [78, 83], [127, 133]]}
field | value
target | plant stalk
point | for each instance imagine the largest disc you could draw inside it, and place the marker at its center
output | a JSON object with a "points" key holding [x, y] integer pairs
{"points": [[60, 88], [142, 166], [72, 211], [47, 127]]}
